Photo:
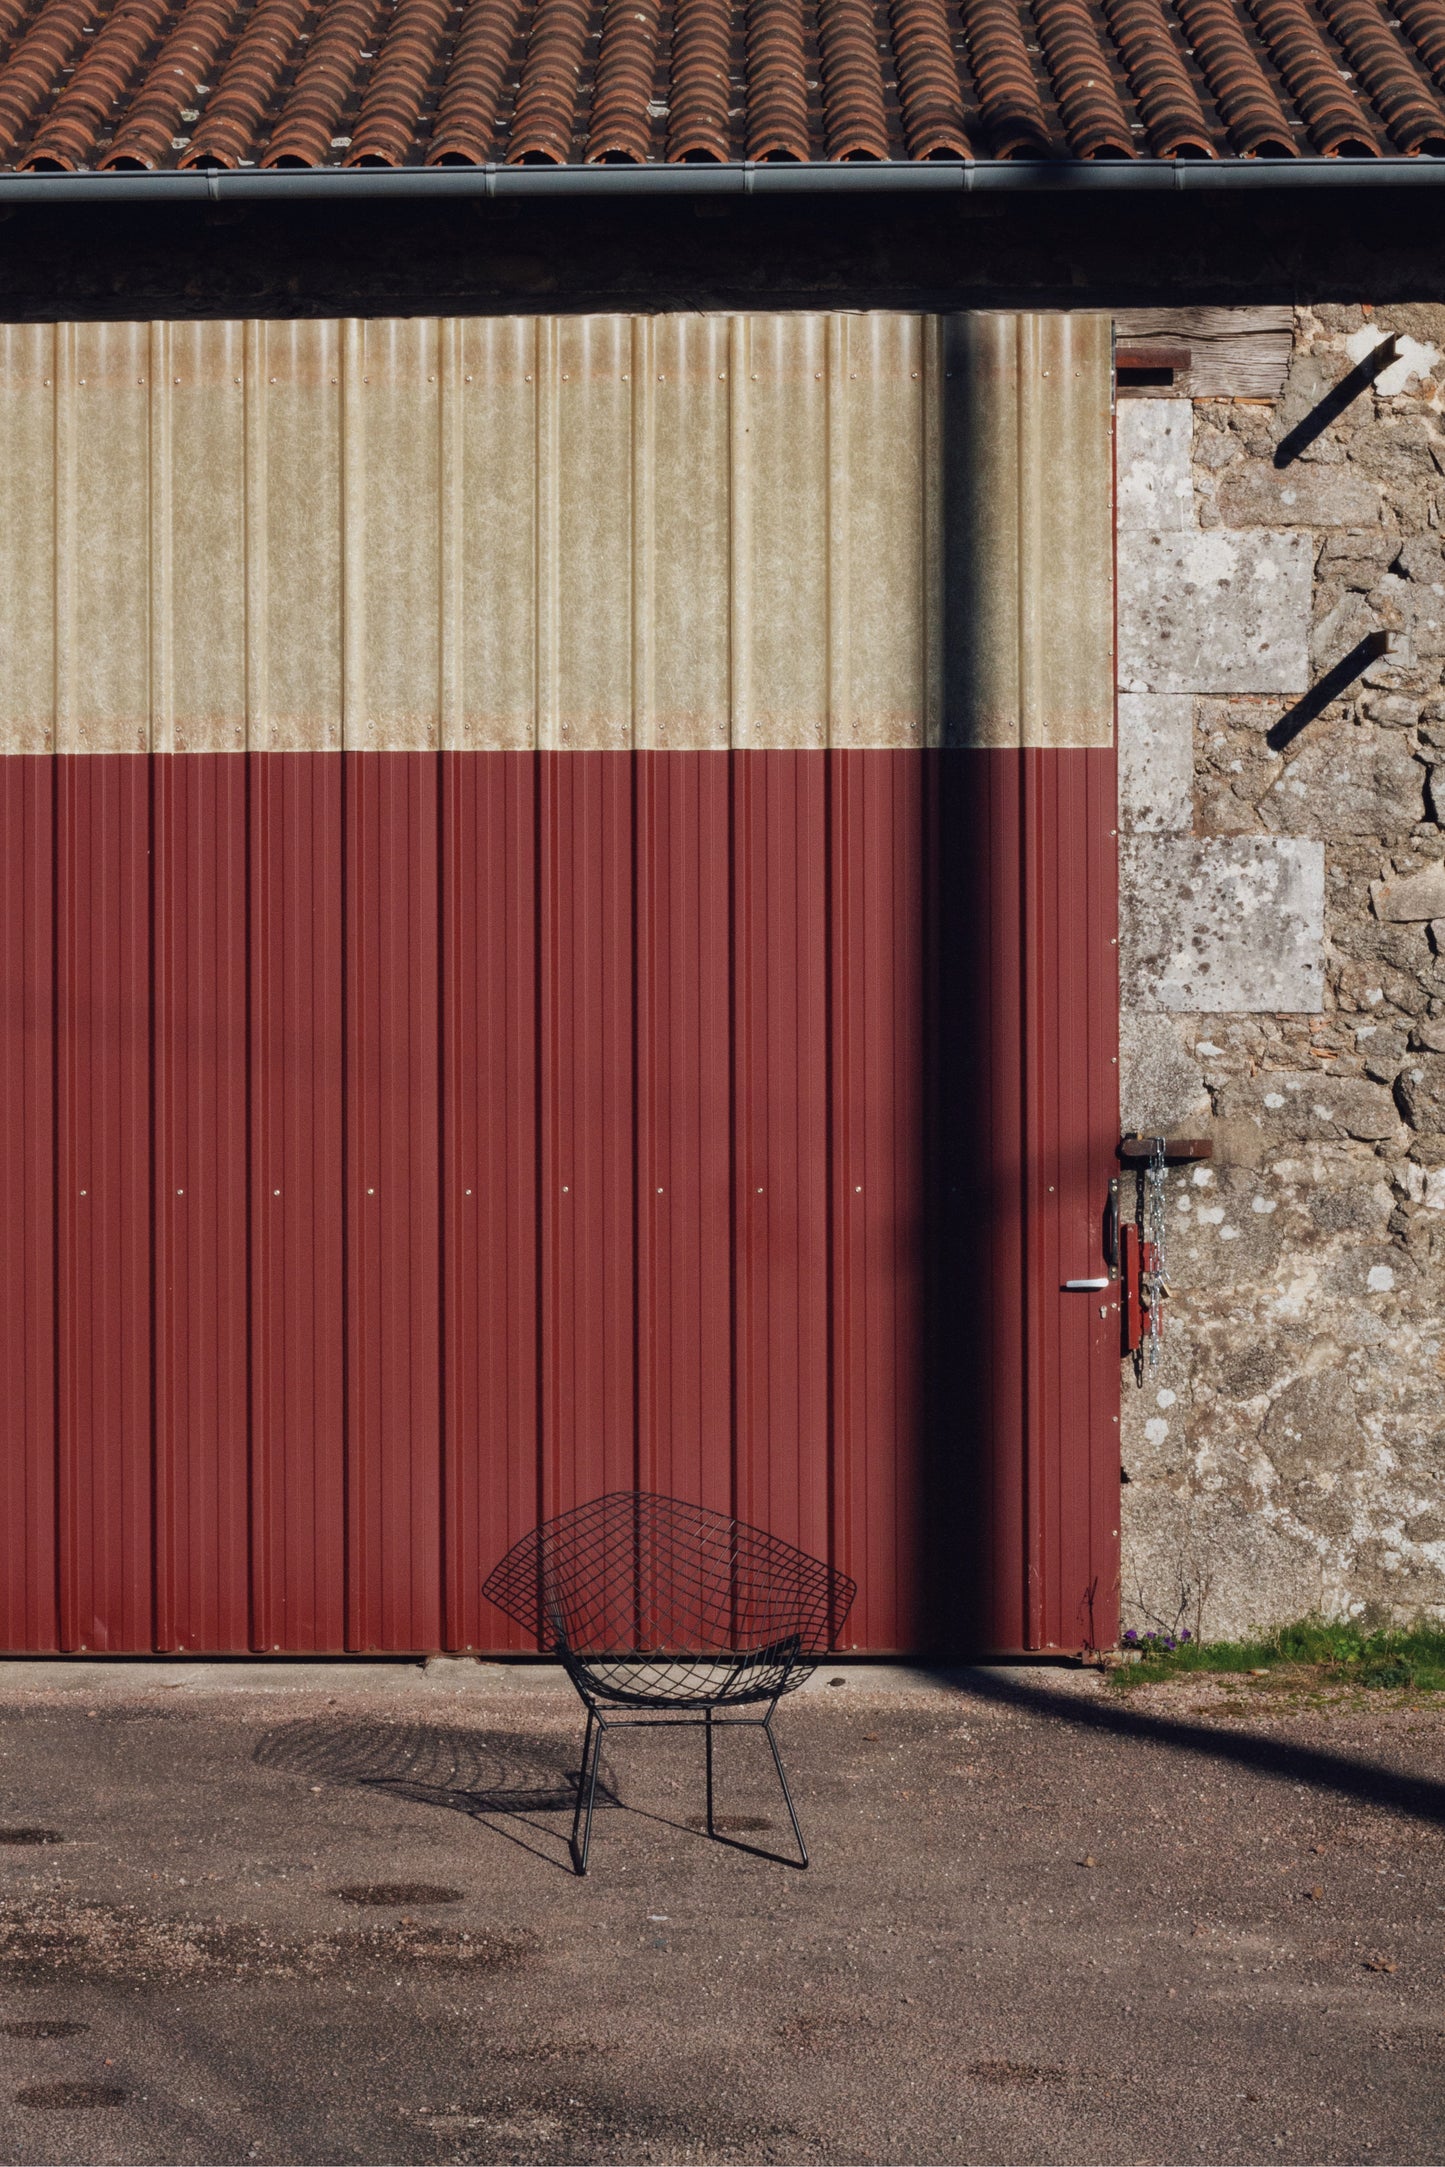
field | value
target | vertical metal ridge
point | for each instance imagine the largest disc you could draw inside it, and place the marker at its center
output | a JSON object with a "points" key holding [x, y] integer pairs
{"points": [[162, 719], [547, 724], [931, 559], [255, 488], [644, 534], [63, 736], [841, 704], [451, 461], [740, 534], [354, 715]]}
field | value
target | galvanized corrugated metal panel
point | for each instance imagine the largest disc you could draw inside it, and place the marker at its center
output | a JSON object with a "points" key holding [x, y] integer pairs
{"points": [[1030, 561], [418, 534]]}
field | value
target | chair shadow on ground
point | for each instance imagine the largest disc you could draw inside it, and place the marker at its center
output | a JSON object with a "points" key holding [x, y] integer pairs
{"points": [[504, 1779]]}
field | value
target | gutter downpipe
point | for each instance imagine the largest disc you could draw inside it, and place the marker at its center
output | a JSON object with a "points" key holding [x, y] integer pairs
{"points": [[662, 183]]}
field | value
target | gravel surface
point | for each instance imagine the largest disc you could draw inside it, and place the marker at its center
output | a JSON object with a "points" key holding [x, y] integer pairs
{"points": [[319, 1914]]}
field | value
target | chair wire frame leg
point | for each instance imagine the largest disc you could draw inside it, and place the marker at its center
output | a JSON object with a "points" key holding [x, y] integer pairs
{"points": [[767, 1730], [707, 1730], [587, 1788], [592, 1753]]}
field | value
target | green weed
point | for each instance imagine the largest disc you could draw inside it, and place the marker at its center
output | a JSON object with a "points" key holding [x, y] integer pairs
{"points": [[1315, 1652]]}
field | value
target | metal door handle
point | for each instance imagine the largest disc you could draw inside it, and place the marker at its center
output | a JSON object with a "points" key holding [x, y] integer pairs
{"points": [[1086, 1286]]}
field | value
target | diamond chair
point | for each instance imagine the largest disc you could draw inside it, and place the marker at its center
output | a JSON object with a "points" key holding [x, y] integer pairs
{"points": [[665, 1613]]}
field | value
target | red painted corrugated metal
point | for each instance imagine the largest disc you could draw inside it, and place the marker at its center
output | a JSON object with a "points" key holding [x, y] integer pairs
{"points": [[399, 1146], [1021, 1549]]}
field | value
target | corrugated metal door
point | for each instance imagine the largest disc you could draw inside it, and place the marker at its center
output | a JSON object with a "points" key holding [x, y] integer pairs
{"points": [[513, 985]]}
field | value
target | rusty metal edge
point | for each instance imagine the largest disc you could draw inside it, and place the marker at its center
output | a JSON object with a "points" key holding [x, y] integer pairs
{"points": [[954, 177]]}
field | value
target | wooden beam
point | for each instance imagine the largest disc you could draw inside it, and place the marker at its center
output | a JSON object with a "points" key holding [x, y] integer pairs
{"points": [[1234, 353]]}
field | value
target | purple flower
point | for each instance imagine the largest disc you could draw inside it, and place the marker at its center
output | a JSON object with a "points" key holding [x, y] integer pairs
{"points": [[1184, 1636], [1130, 1637]]}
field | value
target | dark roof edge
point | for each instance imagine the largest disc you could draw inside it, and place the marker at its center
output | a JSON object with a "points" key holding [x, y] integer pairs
{"points": [[540, 183]]}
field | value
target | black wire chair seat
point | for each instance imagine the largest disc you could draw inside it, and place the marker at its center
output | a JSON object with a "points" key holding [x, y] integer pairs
{"points": [[688, 1682], [676, 1612]]}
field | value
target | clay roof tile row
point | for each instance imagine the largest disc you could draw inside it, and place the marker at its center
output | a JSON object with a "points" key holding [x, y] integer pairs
{"points": [[116, 84]]}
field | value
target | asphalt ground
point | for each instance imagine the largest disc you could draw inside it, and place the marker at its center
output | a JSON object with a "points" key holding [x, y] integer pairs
{"points": [[326, 1914]]}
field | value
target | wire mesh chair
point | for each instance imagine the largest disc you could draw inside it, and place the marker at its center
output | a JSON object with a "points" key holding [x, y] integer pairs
{"points": [[664, 1607]]}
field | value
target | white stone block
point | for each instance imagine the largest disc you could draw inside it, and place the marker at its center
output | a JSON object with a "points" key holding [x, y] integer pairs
{"points": [[1225, 611], [1155, 443], [1156, 762], [1223, 926]]}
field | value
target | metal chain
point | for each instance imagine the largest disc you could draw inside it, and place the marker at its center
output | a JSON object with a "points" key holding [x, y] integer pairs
{"points": [[1153, 1276]]}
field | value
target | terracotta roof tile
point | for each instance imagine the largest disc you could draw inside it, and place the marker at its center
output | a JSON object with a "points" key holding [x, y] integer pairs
{"points": [[337, 54], [242, 98], [106, 84], [1163, 90], [1243, 94], [777, 81], [622, 96], [1425, 22], [70, 132], [482, 62], [1015, 124], [1337, 123], [698, 126], [934, 121]]}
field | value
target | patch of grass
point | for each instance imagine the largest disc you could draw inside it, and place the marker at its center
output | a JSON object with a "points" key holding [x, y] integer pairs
{"points": [[1314, 1652]]}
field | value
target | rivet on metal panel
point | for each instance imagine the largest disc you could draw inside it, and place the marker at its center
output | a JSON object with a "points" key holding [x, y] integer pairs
{"points": [[760, 1192], [659, 1192], [722, 376], [468, 1192], [468, 379], [85, 1192], [858, 1191], [275, 1192], [180, 1192], [371, 1192], [564, 1188]]}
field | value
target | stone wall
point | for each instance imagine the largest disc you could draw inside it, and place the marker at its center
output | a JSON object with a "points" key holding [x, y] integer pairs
{"points": [[1283, 946]]}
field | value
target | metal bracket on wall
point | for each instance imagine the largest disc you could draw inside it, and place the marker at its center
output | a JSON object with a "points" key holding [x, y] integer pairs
{"points": [[1377, 646], [1333, 404], [1177, 1149]]}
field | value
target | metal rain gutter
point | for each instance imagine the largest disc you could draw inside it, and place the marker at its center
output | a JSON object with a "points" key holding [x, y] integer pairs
{"points": [[662, 183]]}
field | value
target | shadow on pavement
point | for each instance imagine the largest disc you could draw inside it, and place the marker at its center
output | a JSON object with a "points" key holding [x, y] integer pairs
{"points": [[483, 1774], [1341, 1773]]}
